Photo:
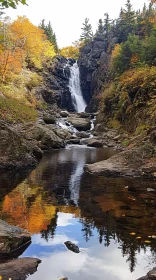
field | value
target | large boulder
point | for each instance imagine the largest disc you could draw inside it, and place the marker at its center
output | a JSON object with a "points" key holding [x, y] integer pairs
{"points": [[133, 162], [80, 124], [12, 239], [93, 142], [46, 136], [15, 151], [19, 269]]}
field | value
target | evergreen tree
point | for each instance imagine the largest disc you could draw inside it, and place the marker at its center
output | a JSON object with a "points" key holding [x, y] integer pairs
{"points": [[100, 29], [87, 34], [107, 25], [126, 22], [42, 24], [49, 32]]}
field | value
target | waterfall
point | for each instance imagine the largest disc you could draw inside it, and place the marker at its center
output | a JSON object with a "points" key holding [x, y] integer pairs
{"points": [[75, 89]]}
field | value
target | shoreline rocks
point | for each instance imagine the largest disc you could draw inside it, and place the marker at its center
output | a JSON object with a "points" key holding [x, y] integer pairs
{"points": [[134, 162], [12, 239], [19, 269]]}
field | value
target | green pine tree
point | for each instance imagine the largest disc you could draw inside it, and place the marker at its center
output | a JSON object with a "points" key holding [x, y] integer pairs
{"points": [[100, 29], [87, 34]]}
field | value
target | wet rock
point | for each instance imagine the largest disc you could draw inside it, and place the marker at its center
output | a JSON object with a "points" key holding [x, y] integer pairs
{"points": [[19, 269], [84, 141], [72, 247], [74, 141], [82, 134], [150, 275], [64, 114], [56, 83], [11, 239], [93, 142], [80, 124]]}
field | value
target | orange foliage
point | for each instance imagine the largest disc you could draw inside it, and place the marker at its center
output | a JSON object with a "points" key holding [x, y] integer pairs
{"points": [[37, 215], [134, 59], [22, 41], [32, 40]]}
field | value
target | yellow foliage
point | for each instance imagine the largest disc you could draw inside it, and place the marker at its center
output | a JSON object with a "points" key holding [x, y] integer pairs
{"points": [[70, 52], [144, 77], [116, 51], [32, 40]]}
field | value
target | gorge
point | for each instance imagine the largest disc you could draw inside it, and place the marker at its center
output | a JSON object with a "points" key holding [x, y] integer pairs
{"points": [[78, 152]]}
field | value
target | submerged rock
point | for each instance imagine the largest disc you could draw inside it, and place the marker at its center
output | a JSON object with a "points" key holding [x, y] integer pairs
{"points": [[12, 239], [72, 247], [19, 269]]}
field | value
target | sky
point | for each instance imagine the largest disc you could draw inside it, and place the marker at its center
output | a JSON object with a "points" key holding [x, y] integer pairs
{"points": [[67, 16]]}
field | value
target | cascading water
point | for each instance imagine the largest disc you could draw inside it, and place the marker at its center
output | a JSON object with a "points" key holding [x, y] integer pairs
{"points": [[75, 89]]}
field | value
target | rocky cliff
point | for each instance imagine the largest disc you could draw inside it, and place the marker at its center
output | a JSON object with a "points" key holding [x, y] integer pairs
{"points": [[56, 83], [93, 63]]}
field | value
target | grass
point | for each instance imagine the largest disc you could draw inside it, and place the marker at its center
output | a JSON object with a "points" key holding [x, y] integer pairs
{"points": [[15, 111]]}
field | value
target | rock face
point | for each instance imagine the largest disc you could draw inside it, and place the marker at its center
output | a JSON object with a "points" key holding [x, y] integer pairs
{"points": [[56, 85], [15, 151], [81, 124], [46, 137], [93, 63], [150, 275], [12, 239], [19, 269]]}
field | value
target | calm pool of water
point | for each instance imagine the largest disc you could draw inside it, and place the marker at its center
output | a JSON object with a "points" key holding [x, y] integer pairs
{"points": [[112, 221]]}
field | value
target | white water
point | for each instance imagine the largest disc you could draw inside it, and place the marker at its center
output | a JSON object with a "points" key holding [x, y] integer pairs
{"points": [[75, 89]]}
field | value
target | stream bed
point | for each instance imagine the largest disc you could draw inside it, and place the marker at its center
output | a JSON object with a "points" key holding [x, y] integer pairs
{"points": [[112, 221]]}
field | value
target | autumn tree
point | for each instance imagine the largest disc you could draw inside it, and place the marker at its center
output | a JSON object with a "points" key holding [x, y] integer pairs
{"points": [[35, 44], [70, 52], [87, 34], [21, 43]]}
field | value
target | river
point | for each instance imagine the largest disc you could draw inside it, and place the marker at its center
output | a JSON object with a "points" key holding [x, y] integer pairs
{"points": [[112, 221]]}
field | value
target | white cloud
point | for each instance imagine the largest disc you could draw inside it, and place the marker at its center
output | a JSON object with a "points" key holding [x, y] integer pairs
{"points": [[95, 263], [64, 219]]}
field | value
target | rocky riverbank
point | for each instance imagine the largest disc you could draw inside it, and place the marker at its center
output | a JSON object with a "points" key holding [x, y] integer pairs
{"points": [[137, 159]]}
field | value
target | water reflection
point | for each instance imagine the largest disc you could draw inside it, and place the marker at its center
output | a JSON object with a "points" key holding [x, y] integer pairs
{"points": [[111, 220]]}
